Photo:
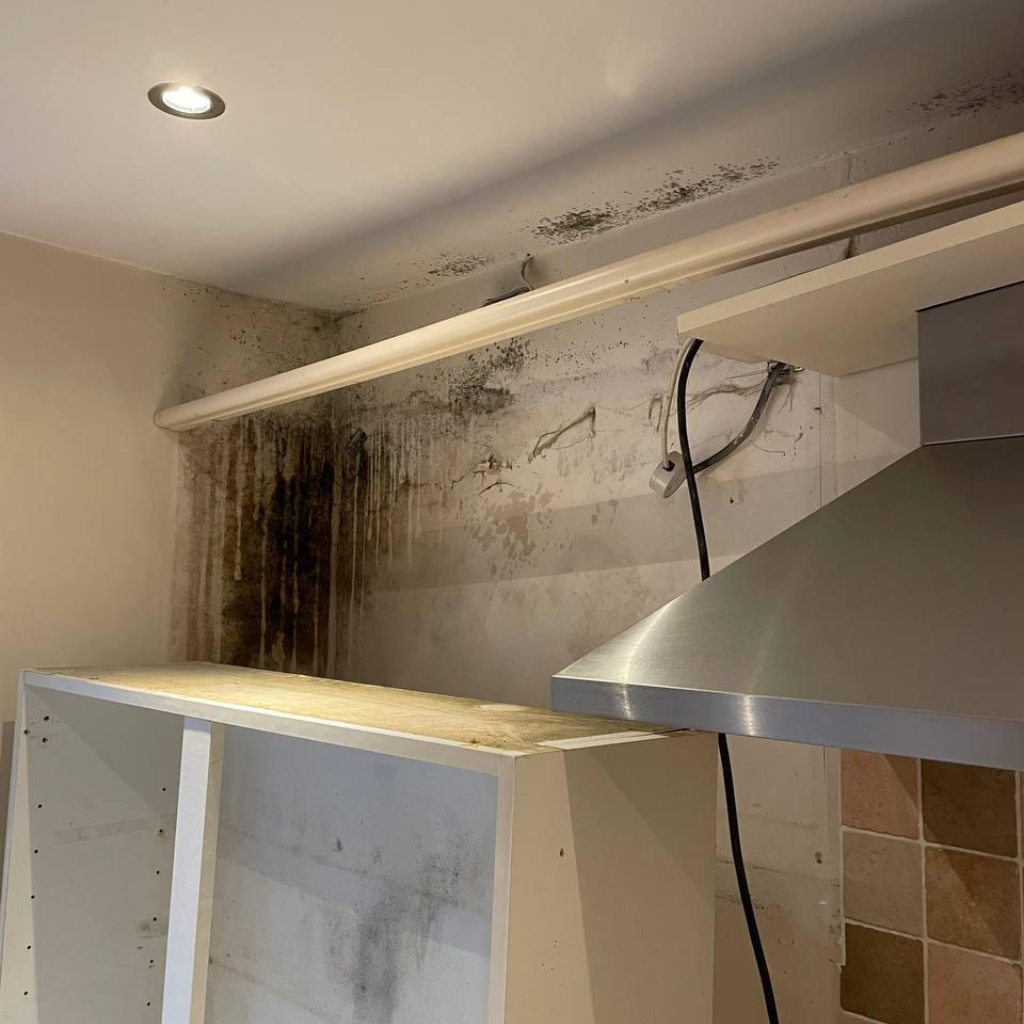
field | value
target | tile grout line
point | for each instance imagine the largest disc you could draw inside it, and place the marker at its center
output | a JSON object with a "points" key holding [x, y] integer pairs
{"points": [[842, 899], [1020, 862], [935, 942], [920, 841], [924, 890], [924, 846], [842, 848]]}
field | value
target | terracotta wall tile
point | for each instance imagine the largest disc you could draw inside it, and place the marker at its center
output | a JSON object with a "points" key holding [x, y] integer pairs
{"points": [[882, 881], [879, 793], [967, 988], [967, 806], [883, 977], [973, 901]]}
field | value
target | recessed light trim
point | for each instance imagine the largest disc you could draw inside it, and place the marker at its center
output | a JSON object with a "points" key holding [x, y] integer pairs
{"points": [[189, 101]]}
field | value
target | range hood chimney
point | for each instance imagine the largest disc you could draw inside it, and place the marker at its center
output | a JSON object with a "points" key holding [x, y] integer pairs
{"points": [[891, 620]]}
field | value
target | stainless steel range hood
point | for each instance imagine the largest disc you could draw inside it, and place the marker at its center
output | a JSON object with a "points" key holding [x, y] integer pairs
{"points": [[892, 619]]}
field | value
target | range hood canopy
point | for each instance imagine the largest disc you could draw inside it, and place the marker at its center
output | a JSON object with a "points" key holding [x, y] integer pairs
{"points": [[891, 620]]}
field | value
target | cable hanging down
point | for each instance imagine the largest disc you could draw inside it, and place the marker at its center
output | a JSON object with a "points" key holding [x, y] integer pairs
{"points": [[681, 376]]}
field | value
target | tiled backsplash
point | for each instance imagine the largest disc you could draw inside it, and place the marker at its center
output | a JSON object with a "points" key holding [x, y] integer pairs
{"points": [[931, 892]]}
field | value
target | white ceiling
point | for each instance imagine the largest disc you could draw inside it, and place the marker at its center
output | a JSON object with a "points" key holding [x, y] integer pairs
{"points": [[372, 147]]}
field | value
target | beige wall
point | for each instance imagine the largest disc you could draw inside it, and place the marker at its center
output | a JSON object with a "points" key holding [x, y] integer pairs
{"points": [[88, 350]]}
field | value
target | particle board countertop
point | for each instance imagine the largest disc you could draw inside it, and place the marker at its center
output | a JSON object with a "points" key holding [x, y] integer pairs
{"points": [[330, 710]]}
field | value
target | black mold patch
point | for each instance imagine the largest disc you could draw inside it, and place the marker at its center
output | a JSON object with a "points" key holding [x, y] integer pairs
{"points": [[511, 357], [975, 97], [575, 225], [262, 491], [480, 384], [479, 399], [679, 188], [461, 265], [281, 518]]}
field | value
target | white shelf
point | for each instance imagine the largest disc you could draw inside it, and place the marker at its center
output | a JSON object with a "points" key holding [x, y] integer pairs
{"points": [[862, 312], [230, 845]]}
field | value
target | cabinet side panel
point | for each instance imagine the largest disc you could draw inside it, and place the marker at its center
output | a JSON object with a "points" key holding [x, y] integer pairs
{"points": [[89, 876], [613, 887], [350, 886]]}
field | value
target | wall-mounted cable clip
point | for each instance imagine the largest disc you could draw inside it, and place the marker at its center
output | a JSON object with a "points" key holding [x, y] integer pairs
{"points": [[670, 474], [521, 290]]}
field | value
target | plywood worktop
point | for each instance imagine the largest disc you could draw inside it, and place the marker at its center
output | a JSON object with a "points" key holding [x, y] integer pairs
{"points": [[509, 728]]}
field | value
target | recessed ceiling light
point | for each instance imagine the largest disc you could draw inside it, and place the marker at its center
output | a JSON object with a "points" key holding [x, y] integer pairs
{"points": [[186, 100]]}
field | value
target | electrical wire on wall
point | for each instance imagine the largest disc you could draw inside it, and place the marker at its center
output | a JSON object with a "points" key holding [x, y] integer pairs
{"points": [[676, 467]]}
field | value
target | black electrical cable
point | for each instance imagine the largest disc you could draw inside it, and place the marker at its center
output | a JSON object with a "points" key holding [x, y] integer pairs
{"points": [[723, 743], [776, 371], [684, 450]]}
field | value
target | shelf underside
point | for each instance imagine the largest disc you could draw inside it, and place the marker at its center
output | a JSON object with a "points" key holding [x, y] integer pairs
{"points": [[862, 312]]}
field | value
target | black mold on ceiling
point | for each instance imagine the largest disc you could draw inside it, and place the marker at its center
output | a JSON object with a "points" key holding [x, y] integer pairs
{"points": [[575, 225], [973, 97], [678, 188], [460, 265]]}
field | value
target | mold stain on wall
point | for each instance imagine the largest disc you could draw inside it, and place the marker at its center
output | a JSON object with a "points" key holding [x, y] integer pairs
{"points": [[291, 521], [468, 527], [286, 517], [298, 522], [262, 492]]}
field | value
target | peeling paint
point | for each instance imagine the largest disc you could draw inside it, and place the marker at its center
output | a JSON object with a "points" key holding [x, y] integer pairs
{"points": [[491, 465]]}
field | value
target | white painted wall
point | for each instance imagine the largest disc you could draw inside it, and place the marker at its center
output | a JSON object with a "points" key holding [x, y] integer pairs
{"points": [[350, 886]]}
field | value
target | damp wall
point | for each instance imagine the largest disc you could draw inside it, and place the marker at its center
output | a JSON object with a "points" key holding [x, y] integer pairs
{"points": [[473, 526], [477, 526], [495, 540]]}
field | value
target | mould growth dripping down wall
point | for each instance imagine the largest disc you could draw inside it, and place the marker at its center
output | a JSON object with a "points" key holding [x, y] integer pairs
{"points": [[262, 491], [284, 517]]}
